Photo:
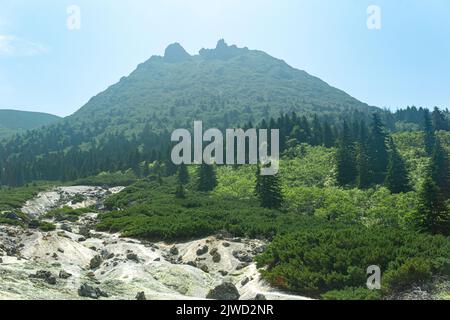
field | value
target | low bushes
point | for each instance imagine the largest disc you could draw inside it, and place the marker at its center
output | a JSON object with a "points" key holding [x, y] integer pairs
{"points": [[321, 260]]}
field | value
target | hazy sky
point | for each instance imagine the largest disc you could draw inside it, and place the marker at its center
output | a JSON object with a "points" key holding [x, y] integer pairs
{"points": [[46, 67]]}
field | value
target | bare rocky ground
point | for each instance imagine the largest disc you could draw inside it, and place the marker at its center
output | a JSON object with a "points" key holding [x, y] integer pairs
{"points": [[75, 262]]}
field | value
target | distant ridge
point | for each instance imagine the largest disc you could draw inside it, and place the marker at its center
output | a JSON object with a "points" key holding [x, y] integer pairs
{"points": [[14, 121]]}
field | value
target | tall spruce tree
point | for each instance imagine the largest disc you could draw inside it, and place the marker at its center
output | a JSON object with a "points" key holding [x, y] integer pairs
{"points": [[397, 175], [432, 215], [430, 137], [317, 132], [377, 151], [207, 179], [440, 169], [345, 159], [362, 160], [183, 174], [328, 136], [180, 192], [268, 191], [440, 121]]}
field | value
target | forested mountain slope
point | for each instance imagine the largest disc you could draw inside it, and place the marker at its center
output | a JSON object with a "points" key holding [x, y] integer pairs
{"points": [[223, 86], [131, 120]]}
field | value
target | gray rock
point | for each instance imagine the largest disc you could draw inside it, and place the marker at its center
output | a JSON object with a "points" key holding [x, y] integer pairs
{"points": [[64, 275], [259, 250], [47, 276], [223, 273], [245, 281], [192, 264], [88, 291], [141, 296], [216, 257], [260, 297], [174, 251], [226, 244], [133, 257], [106, 255], [202, 251], [204, 268], [66, 227], [225, 291], [95, 262], [242, 256]]}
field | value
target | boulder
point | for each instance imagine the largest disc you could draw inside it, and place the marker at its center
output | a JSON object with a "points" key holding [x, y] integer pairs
{"points": [[260, 297], [66, 227], [242, 256], [216, 257], [225, 291], [174, 251], [64, 275], [47, 276], [204, 268], [95, 262], [202, 251], [141, 296], [245, 281], [192, 264], [133, 257], [88, 291]]}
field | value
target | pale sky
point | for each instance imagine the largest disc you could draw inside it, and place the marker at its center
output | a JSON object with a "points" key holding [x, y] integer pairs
{"points": [[46, 67]]}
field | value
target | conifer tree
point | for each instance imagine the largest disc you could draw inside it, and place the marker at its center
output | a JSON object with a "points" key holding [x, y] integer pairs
{"points": [[328, 136], [345, 159], [377, 151], [430, 137], [432, 215], [183, 174], [206, 180], [317, 132], [440, 122], [440, 169], [397, 176], [179, 192], [268, 189], [362, 160]]}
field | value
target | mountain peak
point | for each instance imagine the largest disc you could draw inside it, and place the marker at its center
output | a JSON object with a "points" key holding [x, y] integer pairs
{"points": [[222, 51], [176, 53], [221, 44]]}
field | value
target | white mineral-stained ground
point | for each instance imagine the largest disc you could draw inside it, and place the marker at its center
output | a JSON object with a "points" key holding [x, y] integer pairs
{"points": [[127, 266]]}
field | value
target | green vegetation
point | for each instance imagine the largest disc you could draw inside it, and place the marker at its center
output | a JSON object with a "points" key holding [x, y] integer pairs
{"points": [[46, 226], [12, 121], [14, 198], [67, 213], [111, 179], [357, 185], [323, 257]]}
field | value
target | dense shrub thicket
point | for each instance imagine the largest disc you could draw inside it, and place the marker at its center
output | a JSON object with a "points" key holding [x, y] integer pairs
{"points": [[322, 259]]}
